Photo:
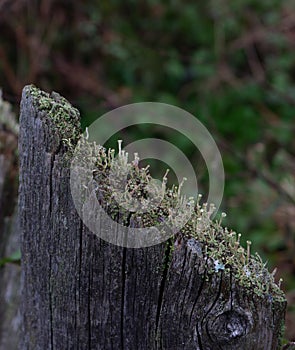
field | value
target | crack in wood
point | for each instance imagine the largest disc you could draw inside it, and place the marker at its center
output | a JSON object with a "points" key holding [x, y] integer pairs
{"points": [[166, 262]]}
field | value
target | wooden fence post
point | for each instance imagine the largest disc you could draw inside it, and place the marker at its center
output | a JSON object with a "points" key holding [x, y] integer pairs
{"points": [[80, 292]]}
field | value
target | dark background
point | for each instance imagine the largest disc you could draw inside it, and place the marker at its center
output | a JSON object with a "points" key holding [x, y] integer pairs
{"points": [[231, 63]]}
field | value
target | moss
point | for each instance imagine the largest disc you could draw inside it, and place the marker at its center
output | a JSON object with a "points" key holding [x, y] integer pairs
{"points": [[282, 331], [219, 246], [65, 118], [169, 249]]}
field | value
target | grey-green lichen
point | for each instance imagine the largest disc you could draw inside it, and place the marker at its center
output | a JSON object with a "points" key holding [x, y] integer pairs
{"points": [[127, 192], [65, 118]]}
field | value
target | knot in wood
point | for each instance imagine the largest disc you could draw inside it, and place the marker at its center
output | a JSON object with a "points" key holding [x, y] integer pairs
{"points": [[229, 327]]}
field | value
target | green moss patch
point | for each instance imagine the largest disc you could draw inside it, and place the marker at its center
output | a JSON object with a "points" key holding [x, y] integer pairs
{"points": [[65, 118]]}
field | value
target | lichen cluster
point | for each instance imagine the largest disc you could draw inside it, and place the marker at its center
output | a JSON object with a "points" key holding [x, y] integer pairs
{"points": [[129, 193], [65, 118], [218, 245], [132, 197]]}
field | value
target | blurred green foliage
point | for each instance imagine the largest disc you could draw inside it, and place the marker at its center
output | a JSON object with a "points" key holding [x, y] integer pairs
{"points": [[13, 258], [229, 63]]}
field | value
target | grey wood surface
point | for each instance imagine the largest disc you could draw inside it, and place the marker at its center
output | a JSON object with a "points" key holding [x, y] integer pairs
{"points": [[80, 292]]}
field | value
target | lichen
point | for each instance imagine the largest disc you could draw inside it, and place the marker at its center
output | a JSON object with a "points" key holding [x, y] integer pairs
{"points": [[218, 245], [65, 118], [142, 202]]}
